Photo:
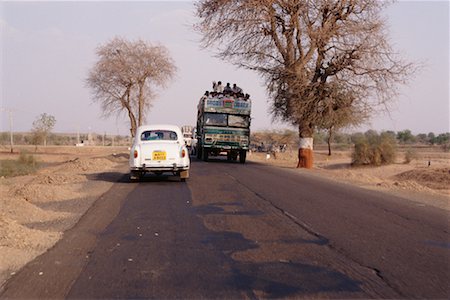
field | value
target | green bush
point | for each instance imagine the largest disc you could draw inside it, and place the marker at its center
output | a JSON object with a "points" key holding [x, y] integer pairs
{"points": [[24, 165], [374, 149]]}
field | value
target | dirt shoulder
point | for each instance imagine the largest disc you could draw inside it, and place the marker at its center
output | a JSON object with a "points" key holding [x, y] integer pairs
{"points": [[417, 181], [37, 209]]}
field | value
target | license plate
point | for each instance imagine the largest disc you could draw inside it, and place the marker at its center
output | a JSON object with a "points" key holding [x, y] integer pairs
{"points": [[159, 155]]}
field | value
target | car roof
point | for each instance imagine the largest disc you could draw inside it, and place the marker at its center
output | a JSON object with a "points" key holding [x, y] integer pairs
{"points": [[159, 127]]}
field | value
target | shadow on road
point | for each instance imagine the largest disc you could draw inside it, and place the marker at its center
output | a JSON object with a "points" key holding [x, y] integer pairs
{"points": [[272, 279], [276, 279], [125, 177], [109, 177], [280, 279]]}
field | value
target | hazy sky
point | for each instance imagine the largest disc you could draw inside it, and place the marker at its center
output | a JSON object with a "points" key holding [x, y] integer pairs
{"points": [[47, 49]]}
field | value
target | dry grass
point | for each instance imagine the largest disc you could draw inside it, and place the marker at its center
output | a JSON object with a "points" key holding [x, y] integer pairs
{"points": [[25, 164]]}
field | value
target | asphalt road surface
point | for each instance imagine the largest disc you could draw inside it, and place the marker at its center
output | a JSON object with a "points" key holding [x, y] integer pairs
{"points": [[244, 231]]}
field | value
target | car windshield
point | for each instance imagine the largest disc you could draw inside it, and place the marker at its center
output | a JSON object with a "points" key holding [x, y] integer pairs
{"points": [[154, 135], [238, 121], [216, 119]]}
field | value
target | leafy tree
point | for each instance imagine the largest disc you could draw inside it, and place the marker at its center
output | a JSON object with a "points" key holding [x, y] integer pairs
{"points": [[125, 76], [42, 126], [443, 138], [341, 138], [405, 137], [320, 137], [431, 138], [357, 137], [317, 57], [422, 138]]}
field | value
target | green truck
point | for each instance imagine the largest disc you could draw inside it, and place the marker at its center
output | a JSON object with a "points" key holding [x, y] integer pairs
{"points": [[223, 126]]}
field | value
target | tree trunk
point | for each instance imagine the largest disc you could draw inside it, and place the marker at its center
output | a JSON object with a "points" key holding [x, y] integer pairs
{"points": [[126, 103], [132, 122], [141, 103], [330, 132], [305, 151]]}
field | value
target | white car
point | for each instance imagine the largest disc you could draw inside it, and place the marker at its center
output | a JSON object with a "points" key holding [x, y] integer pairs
{"points": [[159, 149]]}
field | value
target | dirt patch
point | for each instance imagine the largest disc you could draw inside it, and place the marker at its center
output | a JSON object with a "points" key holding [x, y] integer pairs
{"points": [[58, 179], [88, 165], [438, 179], [37, 209]]}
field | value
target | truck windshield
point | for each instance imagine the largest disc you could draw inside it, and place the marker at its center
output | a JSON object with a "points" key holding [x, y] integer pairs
{"points": [[216, 119], [154, 135], [238, 121]]}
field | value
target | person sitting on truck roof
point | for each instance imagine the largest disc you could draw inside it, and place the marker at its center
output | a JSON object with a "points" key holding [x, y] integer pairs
{"points": [[237, 90], [219, 87], [206, 95], [227, 89]]}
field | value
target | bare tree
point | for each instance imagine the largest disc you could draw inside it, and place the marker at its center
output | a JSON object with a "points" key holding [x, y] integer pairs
{"points": [[42, 126], [338, 111], [307, 51], [125, 75]]}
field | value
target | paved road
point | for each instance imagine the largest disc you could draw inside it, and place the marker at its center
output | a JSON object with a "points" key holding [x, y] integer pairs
{"points": [[245, 231]]}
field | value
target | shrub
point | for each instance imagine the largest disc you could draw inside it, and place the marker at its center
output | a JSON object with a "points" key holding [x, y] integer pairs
{"points": [[25, 164], [374, 149], [410, 155]]}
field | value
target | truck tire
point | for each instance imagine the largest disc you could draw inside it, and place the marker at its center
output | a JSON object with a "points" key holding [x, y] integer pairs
{"points": [[199, 152], [234, 155], [229, 156], [242, 156], [205, 154]]}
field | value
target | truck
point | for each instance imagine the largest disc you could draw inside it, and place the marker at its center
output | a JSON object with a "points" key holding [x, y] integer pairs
{"points": [[188, 132], [223, 126]]}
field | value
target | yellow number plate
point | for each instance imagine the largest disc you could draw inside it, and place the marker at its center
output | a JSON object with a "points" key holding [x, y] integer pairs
{"points": [[159, 155]]}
